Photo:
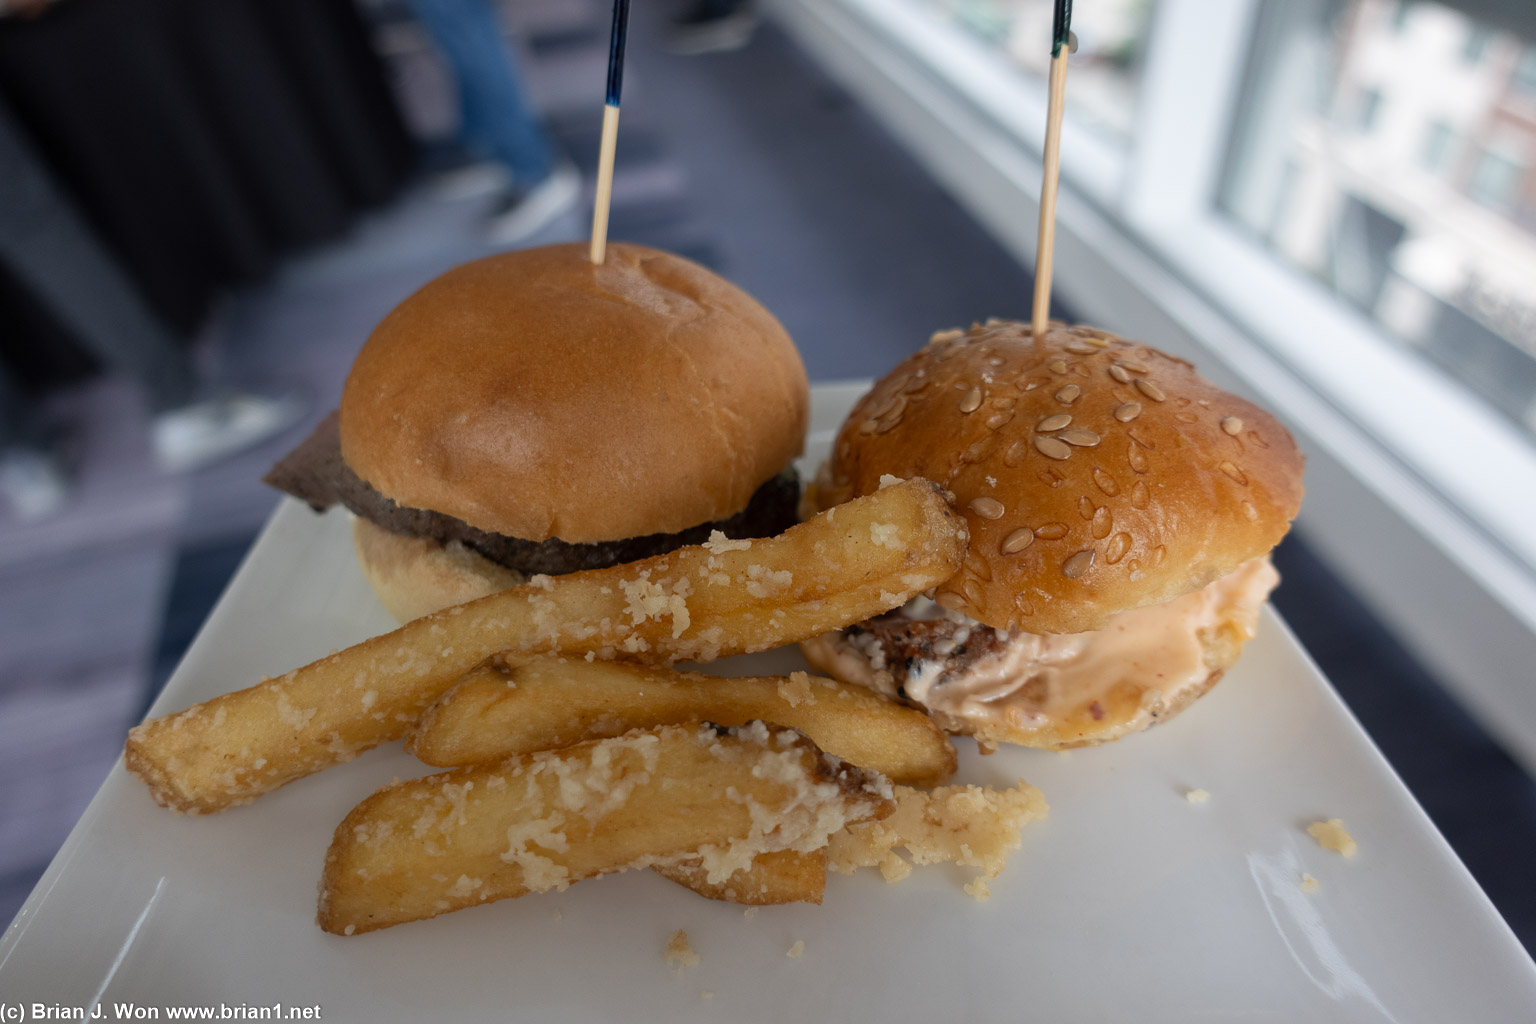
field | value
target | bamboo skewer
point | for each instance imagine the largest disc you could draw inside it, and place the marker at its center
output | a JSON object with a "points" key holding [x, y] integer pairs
{"points": [[1061, 31], [610, 141]]}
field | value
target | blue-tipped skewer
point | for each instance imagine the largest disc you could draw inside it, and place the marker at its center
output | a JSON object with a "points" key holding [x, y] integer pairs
{"points": [[1061, 39], [610, 130]]}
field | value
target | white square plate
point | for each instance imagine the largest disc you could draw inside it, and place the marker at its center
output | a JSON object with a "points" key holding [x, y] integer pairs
{"points": [[1128, 904]]}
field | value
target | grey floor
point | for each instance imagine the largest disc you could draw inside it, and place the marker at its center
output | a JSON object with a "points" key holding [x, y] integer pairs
{"points": [[753, 163]]}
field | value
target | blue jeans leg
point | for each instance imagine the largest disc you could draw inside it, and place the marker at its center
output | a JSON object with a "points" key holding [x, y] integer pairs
{"points": [[496, 115]]}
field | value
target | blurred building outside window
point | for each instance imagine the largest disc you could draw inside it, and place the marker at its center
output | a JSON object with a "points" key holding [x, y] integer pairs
{"points": [[1419, 207]]}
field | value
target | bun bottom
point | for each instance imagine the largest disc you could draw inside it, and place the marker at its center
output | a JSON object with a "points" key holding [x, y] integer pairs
{"points": [[415, 576]]}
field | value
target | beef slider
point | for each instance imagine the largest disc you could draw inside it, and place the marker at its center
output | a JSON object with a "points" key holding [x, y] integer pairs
{"points": [[316, 474], [532, 412]]}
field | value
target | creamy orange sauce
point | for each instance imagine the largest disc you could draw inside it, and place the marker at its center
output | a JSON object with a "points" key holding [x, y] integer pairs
{"points": [[1094, 686]]}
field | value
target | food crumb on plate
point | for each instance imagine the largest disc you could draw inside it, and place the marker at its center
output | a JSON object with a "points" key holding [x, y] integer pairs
{"points": [[1331, 835], [679, 953], [1197, 795], [750, 912], [796, 951], [1308, 883]]}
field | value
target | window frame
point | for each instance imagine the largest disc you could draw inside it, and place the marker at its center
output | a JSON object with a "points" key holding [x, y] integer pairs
{"points": [[1426, 532]]}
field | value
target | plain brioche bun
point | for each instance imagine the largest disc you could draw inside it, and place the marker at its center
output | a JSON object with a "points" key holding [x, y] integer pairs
{"points": [[1095, 474], [537, 395], [416, 576]]}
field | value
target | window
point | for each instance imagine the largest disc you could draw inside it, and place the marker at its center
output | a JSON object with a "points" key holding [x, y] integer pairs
{"points": [[1420, 258], [1496, 180], [1477, 39], [1369, 109], [1439, 147], [1525, 74]]}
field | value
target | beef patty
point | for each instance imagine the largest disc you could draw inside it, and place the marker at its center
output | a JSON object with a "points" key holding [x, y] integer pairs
{"points": [[315, 472]]}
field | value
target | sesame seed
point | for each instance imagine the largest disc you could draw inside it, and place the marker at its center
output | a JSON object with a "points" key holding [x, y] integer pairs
{"points": [[979, 450], [1052, 448], [1051, 531], [1078, 564], [1134, 366], [1119, 544], [1055, 422], [973, 592], [1127, 412], [972, 401], [1080, 438], [1068, 394], [894, 404], [1233, 472], [1017, 541], [1057, 366], [997, 419], [951, 600], [1105, 482], [987, 508], [1014, 456], [1232, 425], [1081, 349], [1137, 458], [1139, 494], [1151, 390], [1102, 521], [1119, 373]]}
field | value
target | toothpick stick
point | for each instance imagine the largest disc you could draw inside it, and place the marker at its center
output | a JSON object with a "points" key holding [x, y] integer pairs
{"points": [[1061, 31], [610, 130]]}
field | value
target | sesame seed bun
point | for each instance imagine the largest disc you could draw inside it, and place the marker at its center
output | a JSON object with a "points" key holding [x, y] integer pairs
{"points": [[536, 395], [1096, 474], [416, 576]]}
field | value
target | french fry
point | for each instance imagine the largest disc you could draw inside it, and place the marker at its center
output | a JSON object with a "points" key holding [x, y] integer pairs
{"points": [[497, 711], [673, 795], [785, 876], [698, 602]]}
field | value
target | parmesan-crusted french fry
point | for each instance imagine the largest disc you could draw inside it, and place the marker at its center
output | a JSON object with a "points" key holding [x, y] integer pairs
{"points": [[785, 876], [497, 711], [698, 602], [678, 794]]}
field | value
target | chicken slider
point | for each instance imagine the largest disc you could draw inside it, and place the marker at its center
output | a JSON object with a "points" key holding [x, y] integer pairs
{"points": [[1121, 511]]}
